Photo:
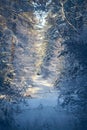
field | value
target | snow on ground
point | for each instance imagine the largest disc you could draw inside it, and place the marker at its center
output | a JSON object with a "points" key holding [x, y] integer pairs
{"points": [[41, 111]]}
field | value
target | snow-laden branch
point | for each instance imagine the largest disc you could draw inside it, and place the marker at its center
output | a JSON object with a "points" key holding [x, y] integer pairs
{"points": [[65, 18]]}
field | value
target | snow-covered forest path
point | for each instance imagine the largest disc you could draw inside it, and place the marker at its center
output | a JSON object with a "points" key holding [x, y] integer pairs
{"points": [[43, 65], [38, 75], [33, 71]]}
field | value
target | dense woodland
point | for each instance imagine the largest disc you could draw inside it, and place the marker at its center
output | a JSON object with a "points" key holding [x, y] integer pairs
{"points": [[57, 52]]}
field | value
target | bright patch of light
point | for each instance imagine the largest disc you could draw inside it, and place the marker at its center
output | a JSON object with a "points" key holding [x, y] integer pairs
{"points": [[2, 96], [40, 18], [38, 80]]}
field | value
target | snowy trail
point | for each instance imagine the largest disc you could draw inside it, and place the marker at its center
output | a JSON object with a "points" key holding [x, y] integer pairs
{"points": [[40, 91], [43, 59], [41, 112]]}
